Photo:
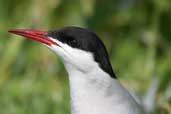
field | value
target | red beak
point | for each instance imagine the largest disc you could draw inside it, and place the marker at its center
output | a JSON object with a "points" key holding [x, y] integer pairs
{"points": [[37, 35]]}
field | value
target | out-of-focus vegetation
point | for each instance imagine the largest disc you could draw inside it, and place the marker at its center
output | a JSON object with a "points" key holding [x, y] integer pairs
{"points": [[137, 34]]}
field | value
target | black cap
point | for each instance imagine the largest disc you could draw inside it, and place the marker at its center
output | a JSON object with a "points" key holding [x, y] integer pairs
{"points": [[86, 40]]}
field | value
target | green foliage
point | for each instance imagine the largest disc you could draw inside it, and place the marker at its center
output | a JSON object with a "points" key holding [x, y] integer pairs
{"points": [[137, 34]]}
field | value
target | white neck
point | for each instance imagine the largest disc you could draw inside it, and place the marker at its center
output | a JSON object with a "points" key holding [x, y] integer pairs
{"points": [[97, 93]]}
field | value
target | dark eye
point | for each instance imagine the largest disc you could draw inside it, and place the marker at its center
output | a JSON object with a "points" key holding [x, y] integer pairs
{"points": [[73, 43]]}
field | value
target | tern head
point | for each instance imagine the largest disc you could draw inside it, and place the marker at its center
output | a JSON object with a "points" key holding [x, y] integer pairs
{"points": [[79, 48]]}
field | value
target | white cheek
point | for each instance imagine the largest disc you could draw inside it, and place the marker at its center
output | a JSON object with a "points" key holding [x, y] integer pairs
{"points": [[80, 59], [73, 57]]}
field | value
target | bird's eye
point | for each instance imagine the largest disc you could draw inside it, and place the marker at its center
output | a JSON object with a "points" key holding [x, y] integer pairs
{"points": [[73, 43]]}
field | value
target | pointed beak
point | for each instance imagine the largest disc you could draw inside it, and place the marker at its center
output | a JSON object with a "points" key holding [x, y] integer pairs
{"points": [[41, 36]]}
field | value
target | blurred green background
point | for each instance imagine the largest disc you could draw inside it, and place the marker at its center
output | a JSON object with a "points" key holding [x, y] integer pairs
{"points": [[137, 34]]}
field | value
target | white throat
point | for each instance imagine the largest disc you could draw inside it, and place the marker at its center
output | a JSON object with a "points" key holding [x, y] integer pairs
{"points": [[96, 92], [92, 90]]}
